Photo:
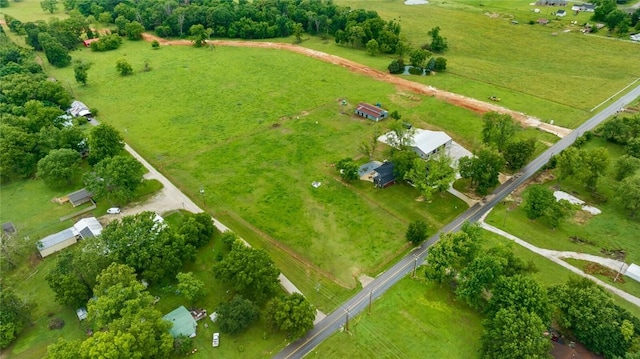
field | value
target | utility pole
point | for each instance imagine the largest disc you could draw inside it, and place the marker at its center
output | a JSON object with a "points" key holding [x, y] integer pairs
{"points": [[619, 272], [204, 204], [370, 301], [346, 326], [415, 265]]}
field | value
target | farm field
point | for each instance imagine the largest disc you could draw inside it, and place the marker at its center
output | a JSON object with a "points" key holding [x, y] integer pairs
{"points": [[254, 141], [532, 70]]}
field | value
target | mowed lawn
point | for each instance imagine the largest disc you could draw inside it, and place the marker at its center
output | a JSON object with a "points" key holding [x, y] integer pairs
{"points": [[414, 320], [540, 70], [254, 128]]}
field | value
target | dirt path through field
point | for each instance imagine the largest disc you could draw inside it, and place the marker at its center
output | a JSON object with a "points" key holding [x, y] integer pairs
{"points": [[452, 98]]}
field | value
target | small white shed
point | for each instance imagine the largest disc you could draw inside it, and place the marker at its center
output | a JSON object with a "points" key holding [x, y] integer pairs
{"points": [[633, 272]]}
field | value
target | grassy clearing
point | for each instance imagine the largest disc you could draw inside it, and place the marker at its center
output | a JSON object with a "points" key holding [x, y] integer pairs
{"points": [[549, 273], [257, 152], [433, 323], [488, 55], [30, 10]]}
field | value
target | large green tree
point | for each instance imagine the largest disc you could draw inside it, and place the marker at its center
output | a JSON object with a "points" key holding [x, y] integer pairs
{"points": [[57, 55], [514, 333], [292, 314], [594, 164], [81, 71], [626, 166], [521, 292], [151, 248], [190, 286], [18, 156], [249, 271], [539, 199], [517, 153], [15, 314], [483, 170], [590, 315], [452, 253], [59, 167], [118, 294], [104, 141], [115, 179], [438, 43], [236, 316], [498, 130], [417, 232], [628, 194], [197, 229]]}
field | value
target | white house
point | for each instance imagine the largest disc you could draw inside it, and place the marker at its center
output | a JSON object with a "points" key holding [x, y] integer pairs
{"points": [[83, 229], [561, 13], [424, 142], [633, 272], [635, 37], [78, 109], [583, 7]]}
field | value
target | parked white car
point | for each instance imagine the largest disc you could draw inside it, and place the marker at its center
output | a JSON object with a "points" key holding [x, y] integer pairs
{"points": [[216, 339], [113, 210]]}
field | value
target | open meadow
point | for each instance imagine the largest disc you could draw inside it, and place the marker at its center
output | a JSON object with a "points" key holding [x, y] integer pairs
{"points": [[540, 70], [253, 128]]}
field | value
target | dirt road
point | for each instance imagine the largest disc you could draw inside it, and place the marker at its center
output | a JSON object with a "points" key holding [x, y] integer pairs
{"points": [[472, 104]]}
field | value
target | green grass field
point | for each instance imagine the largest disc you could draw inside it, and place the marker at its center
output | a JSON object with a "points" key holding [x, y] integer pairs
{"points": [[254, 141], [527, 66], [414, 320]]}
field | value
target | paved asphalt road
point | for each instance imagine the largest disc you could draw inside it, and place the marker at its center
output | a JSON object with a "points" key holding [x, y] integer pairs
{"points": [[406, 265]]}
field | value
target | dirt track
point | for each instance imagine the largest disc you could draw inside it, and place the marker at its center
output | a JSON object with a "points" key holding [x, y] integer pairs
{"points": [[452, 98]]}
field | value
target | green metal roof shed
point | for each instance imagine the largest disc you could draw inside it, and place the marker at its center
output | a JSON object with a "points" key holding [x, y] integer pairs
{"points": [[183, 322]]}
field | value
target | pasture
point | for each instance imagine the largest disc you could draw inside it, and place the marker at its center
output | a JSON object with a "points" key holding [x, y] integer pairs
{"points": [[540, 70], [254, 128]]}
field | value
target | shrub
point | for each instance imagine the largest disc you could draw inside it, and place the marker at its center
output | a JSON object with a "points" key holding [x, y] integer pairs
{"points": [[163, 31], [123, 67], [415, 70], [155, 44], [106, 43], [56, 323]]}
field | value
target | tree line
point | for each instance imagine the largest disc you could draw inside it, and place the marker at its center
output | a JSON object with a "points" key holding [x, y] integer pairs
{"points": [[519, 311]]}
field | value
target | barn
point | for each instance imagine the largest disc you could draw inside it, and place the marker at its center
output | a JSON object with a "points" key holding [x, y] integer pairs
{"points": [[57, 242], [79, 197], [371, 112], [182, 322]]}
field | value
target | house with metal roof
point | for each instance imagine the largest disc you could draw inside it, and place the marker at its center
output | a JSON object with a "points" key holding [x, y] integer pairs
{"points": [[428, 143], [384, 176], [182, 322], [78, 109], [583, 7], [83, 229], [79, 197], [374, 113], [57, 242], [423, 142]]}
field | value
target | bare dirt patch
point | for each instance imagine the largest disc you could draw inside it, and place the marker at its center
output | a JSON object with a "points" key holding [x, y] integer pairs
{"points": [[595, 268], [402, 84]]}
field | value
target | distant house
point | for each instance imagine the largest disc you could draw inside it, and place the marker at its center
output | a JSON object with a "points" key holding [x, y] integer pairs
{"points": [[57, 242], [561, 13], [183, 322], [583, 7], [371, 112], [542, 21], [384, 176], [83, 229], [551, 2], [79, 197], [635, 37], [87, 42], [78, 109]]}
